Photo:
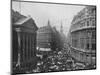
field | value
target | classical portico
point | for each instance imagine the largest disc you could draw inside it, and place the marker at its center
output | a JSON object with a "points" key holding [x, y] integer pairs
{"points": [[25, 30]]}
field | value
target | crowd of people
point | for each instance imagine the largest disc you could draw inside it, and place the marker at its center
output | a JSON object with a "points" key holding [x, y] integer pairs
{"points": [[59, 61]]}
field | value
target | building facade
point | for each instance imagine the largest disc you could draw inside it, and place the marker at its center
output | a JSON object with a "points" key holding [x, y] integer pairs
{"points": [[83, 36], [23, 44], [44, 37], [48, 40]]}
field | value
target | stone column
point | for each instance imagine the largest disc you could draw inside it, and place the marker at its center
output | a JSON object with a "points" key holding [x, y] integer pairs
{"points": [[25, 59], [23, 47], [90, 41], [85, 44], [90, 46], [30, 46], [19, 47], [27, 48]]}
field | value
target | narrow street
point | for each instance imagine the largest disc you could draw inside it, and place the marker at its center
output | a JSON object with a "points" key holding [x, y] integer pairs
{"points": [[57, 61]]}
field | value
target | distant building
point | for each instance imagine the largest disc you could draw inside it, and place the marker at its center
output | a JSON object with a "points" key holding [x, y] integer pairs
{"points": [[83, 35], [44, 37], [23, 43], [48, 40]]}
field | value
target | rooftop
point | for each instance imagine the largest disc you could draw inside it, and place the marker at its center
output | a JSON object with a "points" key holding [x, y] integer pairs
{"points": [[22, 20]]}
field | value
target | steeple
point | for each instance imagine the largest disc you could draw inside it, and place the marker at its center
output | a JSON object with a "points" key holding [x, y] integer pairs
{"points": [[48, 23], [61, 28]]}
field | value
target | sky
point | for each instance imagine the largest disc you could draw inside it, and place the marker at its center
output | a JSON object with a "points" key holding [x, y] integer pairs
{"points": [[57, 14]]}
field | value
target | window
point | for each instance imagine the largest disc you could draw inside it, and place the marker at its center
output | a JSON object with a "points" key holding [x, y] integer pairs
{"points": [[93, 55], [87, 23], [74, 43], [93, 35], [87, 46], [93, 46], [82, 24], [87, 43], [93, 23], [82, 43]]}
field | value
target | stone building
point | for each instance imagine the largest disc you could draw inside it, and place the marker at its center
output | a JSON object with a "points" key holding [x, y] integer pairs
{"points": [[23, 44], [48, 40], [83, 36], [44, 37]]}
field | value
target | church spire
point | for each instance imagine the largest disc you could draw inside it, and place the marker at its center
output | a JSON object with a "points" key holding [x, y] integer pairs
{"points": [[48, 23], [61, 28]]}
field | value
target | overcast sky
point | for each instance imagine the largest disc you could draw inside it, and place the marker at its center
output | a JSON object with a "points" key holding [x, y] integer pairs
{"points": [[55, 13]]}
